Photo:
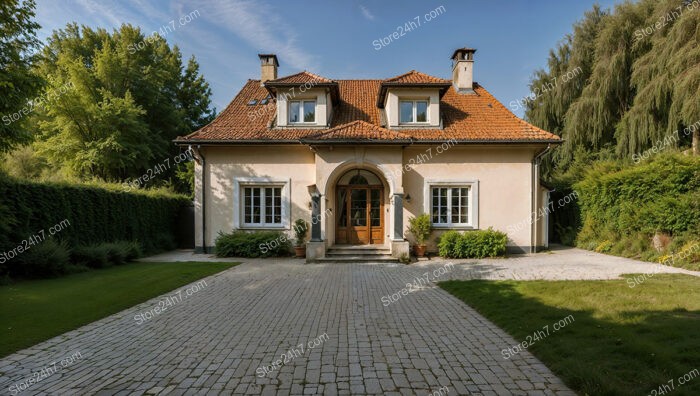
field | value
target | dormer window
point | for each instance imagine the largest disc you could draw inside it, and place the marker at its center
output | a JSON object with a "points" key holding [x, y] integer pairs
{"points": [[413, 111], [302, 111]]}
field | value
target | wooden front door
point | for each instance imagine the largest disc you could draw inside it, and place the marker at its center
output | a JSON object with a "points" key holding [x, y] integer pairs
{"points": [[360, 220]]}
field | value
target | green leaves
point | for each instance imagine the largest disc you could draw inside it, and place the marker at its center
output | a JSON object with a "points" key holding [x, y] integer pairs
{"points": [[473, 244], [18, 83], [131, 97], [640, 79]]}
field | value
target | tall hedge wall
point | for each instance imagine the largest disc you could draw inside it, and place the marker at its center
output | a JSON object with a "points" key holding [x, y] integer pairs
{"points": [[622, 208], [95, 214]]}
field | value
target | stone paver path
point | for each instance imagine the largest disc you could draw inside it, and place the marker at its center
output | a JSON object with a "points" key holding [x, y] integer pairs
{"points": [[331, 322]]}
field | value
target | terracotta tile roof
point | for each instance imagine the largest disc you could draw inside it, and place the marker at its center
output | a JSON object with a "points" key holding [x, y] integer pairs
{"points": [[357, 131], [300, 78], [477, 117], [416, 77]]}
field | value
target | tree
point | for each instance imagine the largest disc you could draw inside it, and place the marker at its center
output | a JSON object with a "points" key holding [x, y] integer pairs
{"points": [[130, 97], [18, 84], [638, 84]]}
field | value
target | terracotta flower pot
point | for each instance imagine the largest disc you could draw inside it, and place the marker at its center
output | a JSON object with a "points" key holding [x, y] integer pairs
{"points": [[419, 250], [300, 251]]}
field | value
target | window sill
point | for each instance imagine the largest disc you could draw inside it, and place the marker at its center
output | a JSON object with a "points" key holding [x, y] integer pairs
{"points": [[262, 227], [453, 227]]}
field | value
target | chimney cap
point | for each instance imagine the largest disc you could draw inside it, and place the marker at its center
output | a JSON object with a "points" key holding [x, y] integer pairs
{"points": [[264, 57], [461, 51]]}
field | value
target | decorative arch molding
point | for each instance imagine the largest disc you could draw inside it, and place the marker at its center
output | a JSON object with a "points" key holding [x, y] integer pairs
{"points": [[385, 175]]}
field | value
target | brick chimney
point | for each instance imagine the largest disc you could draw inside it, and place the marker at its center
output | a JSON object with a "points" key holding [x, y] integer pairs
{"points": [[268, 67], [463, 70]]}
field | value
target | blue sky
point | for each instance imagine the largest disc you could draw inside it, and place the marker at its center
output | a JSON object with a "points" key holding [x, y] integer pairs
{"points": [[335, 39]]}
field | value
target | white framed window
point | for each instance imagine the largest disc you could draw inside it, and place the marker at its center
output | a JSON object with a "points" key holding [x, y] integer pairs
{"points": [[262, 206], [302, 111], [413, 111], [261, 203], [452, 204]]}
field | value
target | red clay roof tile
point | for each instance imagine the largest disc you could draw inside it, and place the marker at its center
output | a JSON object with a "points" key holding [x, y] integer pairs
{"points": [[476, 117]]}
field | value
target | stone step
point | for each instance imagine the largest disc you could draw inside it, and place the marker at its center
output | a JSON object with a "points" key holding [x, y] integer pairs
{"points": [[364, 258], [358, 252]]}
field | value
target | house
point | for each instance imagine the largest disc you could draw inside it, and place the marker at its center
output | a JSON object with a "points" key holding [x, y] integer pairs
{"points": [[358, 158]]}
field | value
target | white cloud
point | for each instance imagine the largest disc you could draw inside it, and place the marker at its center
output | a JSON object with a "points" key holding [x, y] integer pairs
{"points": [[367, 14], [103, 10], [260, 26]]}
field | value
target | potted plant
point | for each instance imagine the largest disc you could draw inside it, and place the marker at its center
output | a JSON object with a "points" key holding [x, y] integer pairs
{"points": [[421, 228], [301, 228]]}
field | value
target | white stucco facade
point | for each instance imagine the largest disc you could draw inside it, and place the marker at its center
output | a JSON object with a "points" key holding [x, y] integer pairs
{"points": [[500, 178]]}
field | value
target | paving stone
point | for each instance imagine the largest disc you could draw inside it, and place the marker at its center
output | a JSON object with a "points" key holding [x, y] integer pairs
{"points": [[218, 340]]}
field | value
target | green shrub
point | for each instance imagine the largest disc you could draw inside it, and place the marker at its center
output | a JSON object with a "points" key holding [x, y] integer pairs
{"points": [[252, 244], [420, 227], [46, 259], [93, 256], [473, 244], [447, 243], [103, 255], [623, 207]]}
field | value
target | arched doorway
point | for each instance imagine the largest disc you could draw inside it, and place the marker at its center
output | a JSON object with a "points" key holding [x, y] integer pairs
{"points": [[360, 208]]}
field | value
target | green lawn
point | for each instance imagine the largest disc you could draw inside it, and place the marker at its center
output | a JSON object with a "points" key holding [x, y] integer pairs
{"points": [[34, 311], [622, 340]]}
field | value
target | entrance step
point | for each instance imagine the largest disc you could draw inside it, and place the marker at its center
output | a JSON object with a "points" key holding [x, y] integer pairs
{"points": [[359, 254]]}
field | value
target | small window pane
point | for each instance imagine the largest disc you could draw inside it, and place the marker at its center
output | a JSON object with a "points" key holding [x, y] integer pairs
{"points": [[277, 219], [309, 111], [294, 111], [406, 111], [421, 111], [256, 205]]}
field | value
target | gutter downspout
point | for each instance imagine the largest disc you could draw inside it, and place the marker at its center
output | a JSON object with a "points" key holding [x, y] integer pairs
{"points": [[535, 194], [204, 202]]}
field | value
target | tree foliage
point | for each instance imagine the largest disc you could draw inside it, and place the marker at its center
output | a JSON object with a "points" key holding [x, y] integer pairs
{"points": [[129, 97], [18, 84], [639, 80]]}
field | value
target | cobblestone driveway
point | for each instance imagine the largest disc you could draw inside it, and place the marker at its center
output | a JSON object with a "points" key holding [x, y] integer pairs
{"points": [[247, 317]]}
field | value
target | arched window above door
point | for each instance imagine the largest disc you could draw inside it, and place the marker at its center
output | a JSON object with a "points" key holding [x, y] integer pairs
{"points": [[359, 177]]}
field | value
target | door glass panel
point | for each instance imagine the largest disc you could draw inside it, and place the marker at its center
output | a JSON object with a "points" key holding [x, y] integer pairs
{"points": [[374, 210], [342, 208], [358, 208]]}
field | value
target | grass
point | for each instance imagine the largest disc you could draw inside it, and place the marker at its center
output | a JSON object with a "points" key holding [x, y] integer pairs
{"points": [[623, 340], [34, 311]]}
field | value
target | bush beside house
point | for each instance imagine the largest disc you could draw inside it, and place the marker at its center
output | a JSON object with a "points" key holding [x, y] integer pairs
{"points": [[253, 244], [473, 244], [100, 226]]}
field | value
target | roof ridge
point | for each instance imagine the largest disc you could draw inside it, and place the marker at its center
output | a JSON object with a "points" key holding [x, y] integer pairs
{"points": [[418, 73]]}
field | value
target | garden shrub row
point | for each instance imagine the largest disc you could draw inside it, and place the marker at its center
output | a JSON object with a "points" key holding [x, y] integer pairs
{"points": [[253, 244], [623, 207], [88, 216], [52, 258], [473, 244]]}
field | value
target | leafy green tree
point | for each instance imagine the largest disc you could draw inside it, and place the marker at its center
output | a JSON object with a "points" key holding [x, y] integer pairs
{"points": [[638, 82], [18, 84], [130, 97]]}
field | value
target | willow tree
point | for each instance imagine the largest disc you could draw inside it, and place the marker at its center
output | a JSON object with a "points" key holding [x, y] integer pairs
{"points": [[639, 80], [574, 56], [667, 82]]}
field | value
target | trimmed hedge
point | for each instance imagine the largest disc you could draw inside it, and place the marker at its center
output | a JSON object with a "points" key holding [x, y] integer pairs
{"points": [[95, 214], [253, 244], [473, 244], [622, 208]]}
